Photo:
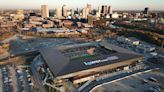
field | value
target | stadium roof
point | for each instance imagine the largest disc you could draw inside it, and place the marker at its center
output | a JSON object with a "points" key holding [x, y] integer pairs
{"points": [[60, 65]]}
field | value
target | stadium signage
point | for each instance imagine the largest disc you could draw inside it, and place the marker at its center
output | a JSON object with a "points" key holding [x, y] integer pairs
{"points": [[100, 61]]}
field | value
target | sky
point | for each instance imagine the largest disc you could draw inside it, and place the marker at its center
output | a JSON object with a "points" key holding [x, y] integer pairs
{"points": [[116, 4]]}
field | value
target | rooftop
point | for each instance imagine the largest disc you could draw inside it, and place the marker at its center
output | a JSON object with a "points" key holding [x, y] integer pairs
{"points": [[82, 57]]}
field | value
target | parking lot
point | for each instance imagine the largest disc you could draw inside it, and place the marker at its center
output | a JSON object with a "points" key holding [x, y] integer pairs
{"points": [[152, 81], [131, 47], [21, 46], [13, 78]]}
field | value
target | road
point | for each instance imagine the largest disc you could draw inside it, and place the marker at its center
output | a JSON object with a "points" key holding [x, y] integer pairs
{"points": [[154, 65], [10, 60], [10, 38], [38, 79], [6, 54], [27, 87], [95, 83], [16, 36], [1, 80]]}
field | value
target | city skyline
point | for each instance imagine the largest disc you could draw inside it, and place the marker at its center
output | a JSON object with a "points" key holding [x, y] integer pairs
{"points": [[122, 5]]}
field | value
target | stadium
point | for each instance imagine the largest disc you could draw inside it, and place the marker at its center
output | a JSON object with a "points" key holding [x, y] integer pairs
{"points": [[82, 62]]}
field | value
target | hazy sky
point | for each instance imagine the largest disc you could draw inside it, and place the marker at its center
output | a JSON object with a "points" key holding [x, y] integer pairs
{"points": [[116, 4]]}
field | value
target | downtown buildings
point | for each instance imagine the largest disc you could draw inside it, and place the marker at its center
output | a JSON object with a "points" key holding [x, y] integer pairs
{"points": [[44, 11], [58, 12], [79, 63], [65, 12], [64, 17]]}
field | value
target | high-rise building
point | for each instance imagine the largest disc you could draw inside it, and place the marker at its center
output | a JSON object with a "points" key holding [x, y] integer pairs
{"points": [[98, 14], [72, 12], [91, 19], [64, 11], [52, 12], [104, 9], [89, 7], [58, 12], [44, 11], [99, 9], [146, 11], [77, 11], [110, 11], [85, 12]]}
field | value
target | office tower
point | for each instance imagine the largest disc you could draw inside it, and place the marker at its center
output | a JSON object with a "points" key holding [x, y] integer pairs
{"points": [[104, 9], [91, 19], [146, 11], [77, 11], [89, 7], [52, 12], [98, 14], [99, 9], [58, 12], [44, 11], [85, 12], [72, 12], [110, 11], [64, 11]]}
